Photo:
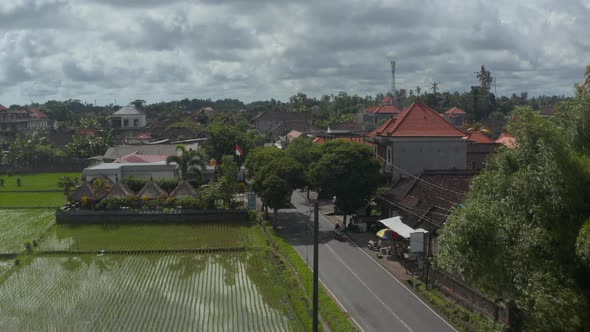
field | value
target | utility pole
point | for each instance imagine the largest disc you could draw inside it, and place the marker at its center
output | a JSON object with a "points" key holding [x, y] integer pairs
{"points": [[316, 222]]}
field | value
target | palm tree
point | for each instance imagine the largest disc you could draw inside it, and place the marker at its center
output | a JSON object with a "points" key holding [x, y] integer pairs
{"points": [[185, 159], [434, 87], [478, 126], [68, 184], [418, 89]]}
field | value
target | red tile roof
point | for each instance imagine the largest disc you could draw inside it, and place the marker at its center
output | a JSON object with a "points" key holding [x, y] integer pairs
{"points": [[387, 100], [507, 139], [144, 136], [382, 109], [417, 120], [479, 137], [89, 132], [2, 108], [37, 113], [455, 111]]}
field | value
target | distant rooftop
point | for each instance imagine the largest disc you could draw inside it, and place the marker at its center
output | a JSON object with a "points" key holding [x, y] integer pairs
{"points": [[128, 110]]}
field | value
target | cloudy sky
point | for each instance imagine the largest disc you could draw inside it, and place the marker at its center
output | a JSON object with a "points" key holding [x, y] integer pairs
{"points": [[259, 49]]}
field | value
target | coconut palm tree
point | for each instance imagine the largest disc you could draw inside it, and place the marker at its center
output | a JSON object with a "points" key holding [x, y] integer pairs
{"points": [[478, 126], [185, 159], [434, 87]]}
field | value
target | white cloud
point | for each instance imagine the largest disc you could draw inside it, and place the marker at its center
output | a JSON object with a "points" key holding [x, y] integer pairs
{"points": [[161, 50]]}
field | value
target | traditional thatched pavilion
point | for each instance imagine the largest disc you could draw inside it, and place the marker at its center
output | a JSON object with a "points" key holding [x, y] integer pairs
{"points": [[184, 189], [120, 190], [152, 190], [84, 190], [105, 179]]}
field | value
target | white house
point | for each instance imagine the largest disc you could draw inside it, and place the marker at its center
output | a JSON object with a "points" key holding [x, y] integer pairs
{"points": [[417, 139], [128, 120]]}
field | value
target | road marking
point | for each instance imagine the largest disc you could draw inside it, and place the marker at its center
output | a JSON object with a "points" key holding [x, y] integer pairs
{"points": [[367, 287], [395, 278]]}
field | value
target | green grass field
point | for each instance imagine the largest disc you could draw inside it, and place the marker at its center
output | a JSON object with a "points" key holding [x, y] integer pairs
{"points": [[27, 199], [217, 292], [17, 226], [156, 236], [41, 181]]}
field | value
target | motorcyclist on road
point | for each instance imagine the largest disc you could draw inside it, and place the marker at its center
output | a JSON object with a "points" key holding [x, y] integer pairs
{"points": [[337, 227]]}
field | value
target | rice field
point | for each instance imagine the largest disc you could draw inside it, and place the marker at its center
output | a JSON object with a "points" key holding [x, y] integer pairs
{"points": [[17, 226], [31, 199], [205, 292], [148, 236], [39, 181]]}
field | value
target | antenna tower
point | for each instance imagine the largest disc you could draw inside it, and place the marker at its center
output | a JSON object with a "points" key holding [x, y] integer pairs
{"points": [[392, 77]]}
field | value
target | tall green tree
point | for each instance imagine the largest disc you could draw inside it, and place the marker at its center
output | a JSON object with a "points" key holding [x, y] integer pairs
{"points": [[275, 181], [223, 139], [185, 159], [306, 152], [228, 184], [516, 235], [348, 171]]}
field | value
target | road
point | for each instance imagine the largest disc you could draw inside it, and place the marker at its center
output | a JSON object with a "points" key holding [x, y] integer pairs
{"points": [[373, 297]]}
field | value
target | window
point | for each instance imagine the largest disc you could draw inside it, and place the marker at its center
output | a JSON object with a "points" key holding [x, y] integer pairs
{"points": [[125, 123], [136, 123]]}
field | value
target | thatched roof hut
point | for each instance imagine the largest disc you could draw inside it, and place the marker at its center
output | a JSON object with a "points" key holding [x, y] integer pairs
{"points": [[152, 190], [120, 190], [105, 179], [84, 190], [184, 189]]}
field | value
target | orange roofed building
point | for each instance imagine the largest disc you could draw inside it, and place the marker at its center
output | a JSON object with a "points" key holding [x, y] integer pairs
{"points": [[418, 139], [385, 110]]}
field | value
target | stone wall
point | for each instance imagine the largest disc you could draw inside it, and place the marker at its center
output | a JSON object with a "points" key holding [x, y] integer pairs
{"points": [[84, 217]]}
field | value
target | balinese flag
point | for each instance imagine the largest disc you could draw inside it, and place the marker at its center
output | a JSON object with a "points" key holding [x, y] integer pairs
{"points": [[239, 151]]}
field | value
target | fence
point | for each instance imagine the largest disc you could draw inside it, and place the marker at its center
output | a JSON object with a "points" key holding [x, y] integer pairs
{"points": [[458, 290]]}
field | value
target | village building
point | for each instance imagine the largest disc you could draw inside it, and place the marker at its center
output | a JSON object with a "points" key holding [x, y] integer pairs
{"points": [[280, 123], [507, 140], [456, 116], [479, 146], [426, 200], [417, 139], [13, 121], [377, 113], [128, 121]]}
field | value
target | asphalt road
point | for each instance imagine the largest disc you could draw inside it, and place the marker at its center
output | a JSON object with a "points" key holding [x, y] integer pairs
{"points": [[373, 297]]}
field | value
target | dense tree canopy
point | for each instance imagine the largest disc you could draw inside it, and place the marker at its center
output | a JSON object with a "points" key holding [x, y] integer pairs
{"points": [[518, 235], [347, 170]]}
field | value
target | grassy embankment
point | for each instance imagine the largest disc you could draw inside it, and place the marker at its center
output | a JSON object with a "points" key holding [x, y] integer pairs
{"points": [[330, 312], [461, 318]]}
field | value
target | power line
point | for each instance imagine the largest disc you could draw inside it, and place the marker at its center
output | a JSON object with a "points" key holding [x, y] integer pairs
{"points": [[419, 179], [411, 212]]}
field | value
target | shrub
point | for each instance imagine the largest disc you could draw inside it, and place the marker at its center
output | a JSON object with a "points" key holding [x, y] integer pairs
{"points": [[19, 182], [28, 246], [111, 203], [84, 200], [134, 184], [168, 184], [188, 202]]}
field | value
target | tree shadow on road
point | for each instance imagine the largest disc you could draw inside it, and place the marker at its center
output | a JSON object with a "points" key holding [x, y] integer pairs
{"points": [[297, 229]]}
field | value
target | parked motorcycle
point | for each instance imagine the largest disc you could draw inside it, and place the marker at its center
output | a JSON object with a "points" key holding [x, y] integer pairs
{"points": [[339, 235], [374, 245]]}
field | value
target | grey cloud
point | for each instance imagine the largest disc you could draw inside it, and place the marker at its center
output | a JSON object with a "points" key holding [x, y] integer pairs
{"points": [[158, 50]]}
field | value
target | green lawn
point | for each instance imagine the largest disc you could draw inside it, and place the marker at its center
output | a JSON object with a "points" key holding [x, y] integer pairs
{"points": [[17, 226], [149, 237], [41, 181], [27, 199]]}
